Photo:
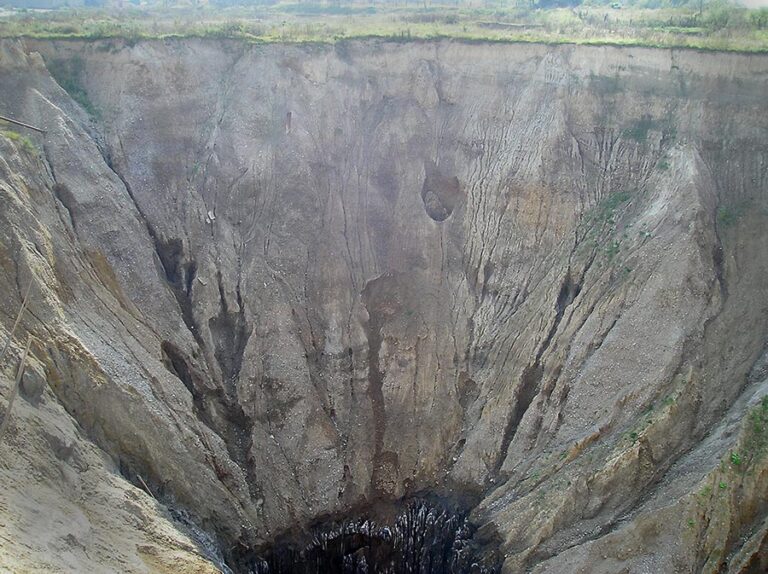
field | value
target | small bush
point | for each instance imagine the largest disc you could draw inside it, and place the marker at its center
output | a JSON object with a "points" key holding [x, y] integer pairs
{"points": [[756, 441], [728, 215], [21, 140], [69, 75]]}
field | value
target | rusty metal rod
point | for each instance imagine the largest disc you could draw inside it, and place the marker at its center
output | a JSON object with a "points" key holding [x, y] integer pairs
{"points": [[21, 124]]}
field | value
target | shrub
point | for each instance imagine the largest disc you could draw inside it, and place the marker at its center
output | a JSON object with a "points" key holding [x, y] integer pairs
{"points": [[69, 75], [23, 141]]}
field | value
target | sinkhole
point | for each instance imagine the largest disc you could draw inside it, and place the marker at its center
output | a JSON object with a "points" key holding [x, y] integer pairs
{"points": [[423, 537]]}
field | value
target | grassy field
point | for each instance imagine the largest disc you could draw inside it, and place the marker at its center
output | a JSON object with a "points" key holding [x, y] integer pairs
{"points": [[710, 26]]}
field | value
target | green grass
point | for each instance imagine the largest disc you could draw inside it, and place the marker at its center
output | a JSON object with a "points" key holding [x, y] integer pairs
{"points": [[755, 443], [21, 140], [324, 9], [320, 23], [606, 209], [599, 224]]}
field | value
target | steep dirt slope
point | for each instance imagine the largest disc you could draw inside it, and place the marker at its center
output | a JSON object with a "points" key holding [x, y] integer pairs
{"points": [[280, 282], [64, 504]]}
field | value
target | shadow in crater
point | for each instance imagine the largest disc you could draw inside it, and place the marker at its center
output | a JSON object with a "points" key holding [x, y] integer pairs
{"points": [[423, 538]]}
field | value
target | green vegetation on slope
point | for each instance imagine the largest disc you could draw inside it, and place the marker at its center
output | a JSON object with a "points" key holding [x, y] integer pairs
{"points": [[68, 74], [23, 141]]}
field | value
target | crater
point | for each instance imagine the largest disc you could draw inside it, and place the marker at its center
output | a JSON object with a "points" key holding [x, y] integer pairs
{"points": [[290, 300]]}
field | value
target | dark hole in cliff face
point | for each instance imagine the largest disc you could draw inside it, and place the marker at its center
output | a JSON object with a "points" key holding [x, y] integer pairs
{"points": [[441, 193], [423, 538]]}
